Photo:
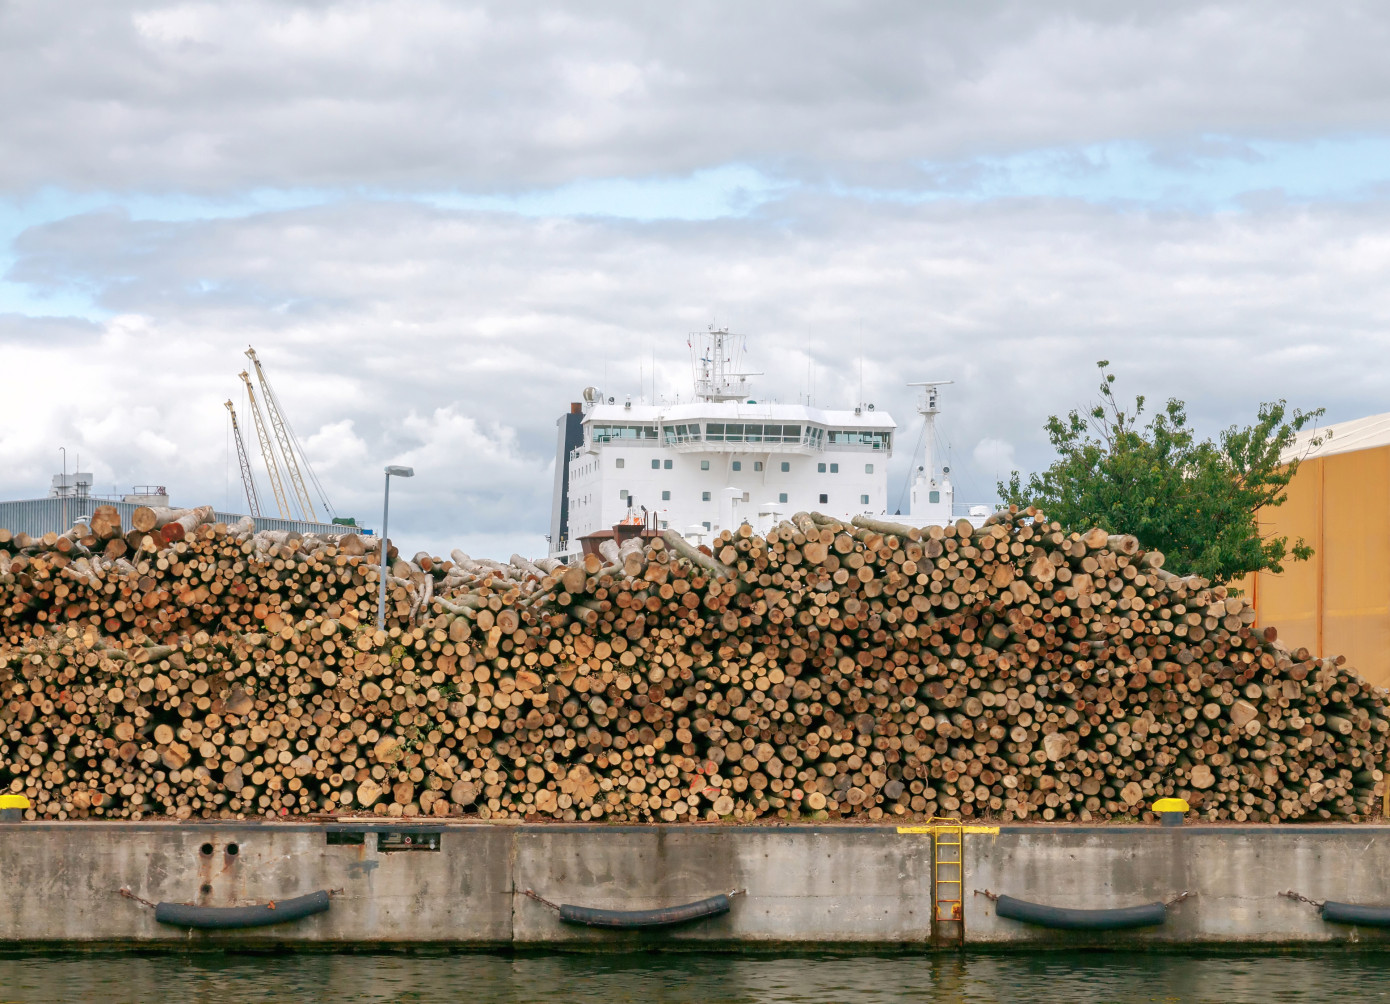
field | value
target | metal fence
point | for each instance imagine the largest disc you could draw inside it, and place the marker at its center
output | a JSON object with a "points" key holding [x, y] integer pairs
{"points": [[37, 517]]}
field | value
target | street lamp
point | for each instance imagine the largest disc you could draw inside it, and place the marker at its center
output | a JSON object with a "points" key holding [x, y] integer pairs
{"points": [[400, 472]]}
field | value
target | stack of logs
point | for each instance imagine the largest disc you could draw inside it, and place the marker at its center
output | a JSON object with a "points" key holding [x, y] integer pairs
{"points": [[1013, 671]]}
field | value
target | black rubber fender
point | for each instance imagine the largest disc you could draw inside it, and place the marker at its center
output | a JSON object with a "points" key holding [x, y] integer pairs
{"points": [[663, 917], [223, 918], [1350, 913], [1147, 915]]}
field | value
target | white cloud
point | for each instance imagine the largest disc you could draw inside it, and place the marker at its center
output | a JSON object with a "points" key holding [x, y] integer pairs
{"points": [[452, 341], [994, 458], [156, 96], [754, 165]]}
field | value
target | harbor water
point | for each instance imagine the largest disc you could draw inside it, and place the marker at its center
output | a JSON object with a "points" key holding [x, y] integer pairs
{"points": [[704, 978]]}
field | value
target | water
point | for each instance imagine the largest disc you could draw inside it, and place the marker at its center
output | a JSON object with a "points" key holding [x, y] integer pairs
{"points": [[707, 979]]}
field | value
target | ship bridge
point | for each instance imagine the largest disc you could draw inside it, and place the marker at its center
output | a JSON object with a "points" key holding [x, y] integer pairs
{"points": [[739, 427]]}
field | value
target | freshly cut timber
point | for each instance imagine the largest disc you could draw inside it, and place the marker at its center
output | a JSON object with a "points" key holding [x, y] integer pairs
{"points": [[824, 670]]}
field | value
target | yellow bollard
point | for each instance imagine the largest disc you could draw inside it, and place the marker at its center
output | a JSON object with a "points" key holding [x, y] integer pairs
{"points": [[12, 808], [1170, 810]]}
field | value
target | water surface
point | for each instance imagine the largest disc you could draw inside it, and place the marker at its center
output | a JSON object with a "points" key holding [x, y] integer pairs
{"points": [[708, 979]]}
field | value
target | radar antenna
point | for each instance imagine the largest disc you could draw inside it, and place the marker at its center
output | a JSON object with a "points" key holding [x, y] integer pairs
{"points": [[717, 376], [926, 407]]}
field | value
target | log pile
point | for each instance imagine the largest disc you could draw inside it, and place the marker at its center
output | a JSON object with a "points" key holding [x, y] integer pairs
{"points": [[1016, 672]]}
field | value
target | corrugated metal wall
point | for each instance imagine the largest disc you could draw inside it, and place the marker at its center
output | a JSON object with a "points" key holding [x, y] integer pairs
{"points": [[1338, 602], [37, 517]]}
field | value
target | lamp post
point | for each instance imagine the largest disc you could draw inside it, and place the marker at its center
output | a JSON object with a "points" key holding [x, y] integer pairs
{"points": [[400, 472]]}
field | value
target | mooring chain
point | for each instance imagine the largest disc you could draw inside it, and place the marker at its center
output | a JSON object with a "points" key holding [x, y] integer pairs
{"points": [[1302, 899], [130, 895], [994, 897], [530, 893]]}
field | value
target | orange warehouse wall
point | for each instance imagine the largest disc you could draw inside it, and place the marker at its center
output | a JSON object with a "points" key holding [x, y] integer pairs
{"points": [[1337, 603]]}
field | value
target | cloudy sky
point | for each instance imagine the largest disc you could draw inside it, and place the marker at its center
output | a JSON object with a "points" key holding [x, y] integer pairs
{"points": [[437, 222]]}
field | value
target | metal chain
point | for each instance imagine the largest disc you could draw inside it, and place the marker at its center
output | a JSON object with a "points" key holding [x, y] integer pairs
{"points": [[1302, 899], [130, 895], [544, 902]]}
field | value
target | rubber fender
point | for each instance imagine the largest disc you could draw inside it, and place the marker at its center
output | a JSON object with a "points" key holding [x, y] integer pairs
{"points": [[1349, 913], [222, 918], [1148, 915], [663, 917]]}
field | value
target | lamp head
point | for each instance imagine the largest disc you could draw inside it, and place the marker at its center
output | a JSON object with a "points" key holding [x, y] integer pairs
{"points": [[401, 472]]}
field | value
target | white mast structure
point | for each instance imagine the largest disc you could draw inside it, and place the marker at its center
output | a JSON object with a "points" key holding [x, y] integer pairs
{"points": [[932, 498], [717, 377]]}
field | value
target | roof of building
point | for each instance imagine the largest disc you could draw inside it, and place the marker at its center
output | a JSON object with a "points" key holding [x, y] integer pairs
{"points": [[1342, 437], [619, 414]]}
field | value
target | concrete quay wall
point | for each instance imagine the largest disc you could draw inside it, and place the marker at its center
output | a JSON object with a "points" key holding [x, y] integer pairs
{"points": [[809, 886]]}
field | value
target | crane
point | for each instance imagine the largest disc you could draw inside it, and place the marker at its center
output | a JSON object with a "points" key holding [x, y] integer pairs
{"points": [[267, 449], [290, 447], [247, 480]]}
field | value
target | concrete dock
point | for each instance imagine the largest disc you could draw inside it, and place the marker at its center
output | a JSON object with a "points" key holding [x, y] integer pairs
{"points": [[417, 884]]}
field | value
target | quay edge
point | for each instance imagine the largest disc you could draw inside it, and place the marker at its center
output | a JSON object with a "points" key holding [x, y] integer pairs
{"points": [[808, 887]]}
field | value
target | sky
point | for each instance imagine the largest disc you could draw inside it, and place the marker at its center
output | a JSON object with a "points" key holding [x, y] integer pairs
{"points": [[437, 222]]}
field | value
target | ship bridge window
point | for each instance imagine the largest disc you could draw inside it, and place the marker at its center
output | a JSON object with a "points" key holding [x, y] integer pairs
{"points": [[862, 440], [686, 433], [623, 433], [933, 496], [751, 432]]}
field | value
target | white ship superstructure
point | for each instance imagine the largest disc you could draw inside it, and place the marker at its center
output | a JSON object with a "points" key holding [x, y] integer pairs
{"points": [[718, 461], [726, 458]]}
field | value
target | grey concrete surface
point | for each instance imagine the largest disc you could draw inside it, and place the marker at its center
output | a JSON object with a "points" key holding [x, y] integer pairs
{"points": [[805, 885], [836, 885], [1234, 875]]}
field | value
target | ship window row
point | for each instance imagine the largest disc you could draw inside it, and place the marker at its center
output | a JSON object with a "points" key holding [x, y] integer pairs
{"points": [[753, 432], [741, 432], [621, 433], [624, 495], [821, 468], [869, 440]]}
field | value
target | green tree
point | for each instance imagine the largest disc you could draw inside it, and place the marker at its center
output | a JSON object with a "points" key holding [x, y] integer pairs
{"points": [[1197, 501]]}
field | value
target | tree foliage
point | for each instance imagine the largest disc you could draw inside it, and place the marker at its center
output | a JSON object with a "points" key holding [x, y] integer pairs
{"points": [[1197, 501]]}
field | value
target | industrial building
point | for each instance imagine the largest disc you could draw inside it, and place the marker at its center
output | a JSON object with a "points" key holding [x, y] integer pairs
{"points": [[1338, 602], [70, 500]]}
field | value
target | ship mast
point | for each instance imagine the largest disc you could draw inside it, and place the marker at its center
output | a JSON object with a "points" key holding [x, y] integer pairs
{"points": [[717, 377], [927, 408]]}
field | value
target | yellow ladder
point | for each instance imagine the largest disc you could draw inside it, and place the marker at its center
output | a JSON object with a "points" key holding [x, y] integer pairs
{"points": [[948, 869]]}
